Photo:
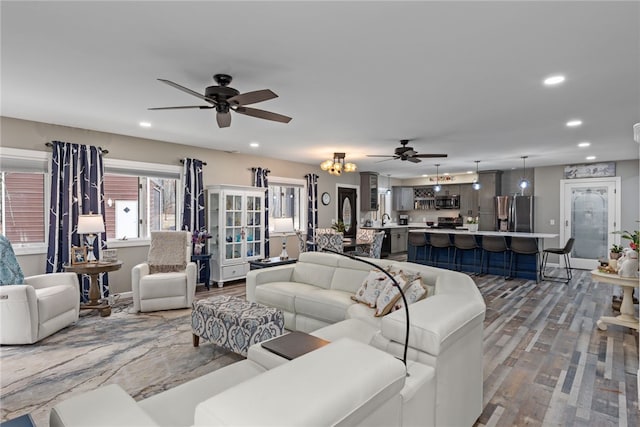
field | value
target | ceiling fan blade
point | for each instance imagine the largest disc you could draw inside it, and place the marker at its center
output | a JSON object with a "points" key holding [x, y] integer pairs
{"points": [[414, 159], [430, 156], [252, 97], [386, 160], [379, 155], [262, 114], [187, 90], [223, 119], [202, 107]]}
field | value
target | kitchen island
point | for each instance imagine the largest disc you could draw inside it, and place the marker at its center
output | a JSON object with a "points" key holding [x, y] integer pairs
{"points": [[524, 265]]}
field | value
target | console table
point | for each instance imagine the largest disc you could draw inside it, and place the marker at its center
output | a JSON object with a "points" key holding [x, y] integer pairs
{"points": [[627, 315], [270, 262], [93, 270]]}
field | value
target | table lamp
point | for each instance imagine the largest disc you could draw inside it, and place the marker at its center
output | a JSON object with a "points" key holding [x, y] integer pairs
{"points": [[283, 226], [89, 225]]}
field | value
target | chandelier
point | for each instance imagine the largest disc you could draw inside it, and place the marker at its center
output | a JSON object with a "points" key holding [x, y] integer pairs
{"points": [[337, 165]]}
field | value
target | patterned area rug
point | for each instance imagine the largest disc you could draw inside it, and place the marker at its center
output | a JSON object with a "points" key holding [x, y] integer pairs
{"points": [[145, 353]]}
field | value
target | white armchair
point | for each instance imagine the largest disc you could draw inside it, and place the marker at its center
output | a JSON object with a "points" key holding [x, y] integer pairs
{"points": [[168, 279], [39, 307]]}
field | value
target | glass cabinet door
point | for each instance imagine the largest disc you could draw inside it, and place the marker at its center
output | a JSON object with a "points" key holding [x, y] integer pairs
{"points": [[234, 235], [214, 226], [253, 223]]}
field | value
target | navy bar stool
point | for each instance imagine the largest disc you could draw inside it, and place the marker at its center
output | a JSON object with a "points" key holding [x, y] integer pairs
{"points": [[494, 244], [439, 241], [465, 242], [417, 241], [524, 246]]}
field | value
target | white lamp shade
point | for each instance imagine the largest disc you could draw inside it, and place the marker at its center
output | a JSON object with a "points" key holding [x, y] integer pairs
{"points": [[90, 224], [283, 225]]}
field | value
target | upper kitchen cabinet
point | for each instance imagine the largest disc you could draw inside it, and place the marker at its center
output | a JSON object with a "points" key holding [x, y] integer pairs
{"points": [[402, 198], [369, 191], [468, 200]]}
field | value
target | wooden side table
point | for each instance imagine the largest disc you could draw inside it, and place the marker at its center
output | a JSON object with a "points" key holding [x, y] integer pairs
{"points": [[93, 270], [206, 271], [627, 315]]}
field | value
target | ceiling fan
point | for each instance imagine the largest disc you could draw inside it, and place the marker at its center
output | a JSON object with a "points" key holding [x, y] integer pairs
{"points": [[226, 99], [405, 152]]}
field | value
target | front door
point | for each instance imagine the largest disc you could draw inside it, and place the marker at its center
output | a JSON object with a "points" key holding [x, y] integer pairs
{"points": [[347, 210], [590, 214]]}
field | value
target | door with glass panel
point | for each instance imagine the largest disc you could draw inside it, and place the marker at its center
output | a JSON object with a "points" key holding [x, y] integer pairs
{"points": [[590, 213]]}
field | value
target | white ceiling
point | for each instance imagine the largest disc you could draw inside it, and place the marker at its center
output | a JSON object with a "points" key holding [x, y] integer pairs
{"points": [[463, 78]]}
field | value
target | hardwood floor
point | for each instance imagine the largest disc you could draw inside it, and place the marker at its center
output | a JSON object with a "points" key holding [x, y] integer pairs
{"points": [[545, 361]]}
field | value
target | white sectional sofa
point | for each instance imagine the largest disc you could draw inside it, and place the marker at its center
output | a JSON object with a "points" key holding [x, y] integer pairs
{"points": [[358, 379], [446, 328]]}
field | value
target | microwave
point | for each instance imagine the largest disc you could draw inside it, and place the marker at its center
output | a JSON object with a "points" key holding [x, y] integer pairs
{"points": [[448, 202]]}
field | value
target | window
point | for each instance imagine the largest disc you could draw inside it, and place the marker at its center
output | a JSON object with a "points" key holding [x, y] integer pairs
{"points": [[22, 207], [135, 206], [287, 199]]}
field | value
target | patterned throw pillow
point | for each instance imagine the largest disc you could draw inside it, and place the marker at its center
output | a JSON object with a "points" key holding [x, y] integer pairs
{"points": [[10, 271], [389, 295], [413, 292], [371, 287]]}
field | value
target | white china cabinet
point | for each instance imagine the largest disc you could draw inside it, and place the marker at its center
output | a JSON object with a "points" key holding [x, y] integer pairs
{"points": [[236, 224]]}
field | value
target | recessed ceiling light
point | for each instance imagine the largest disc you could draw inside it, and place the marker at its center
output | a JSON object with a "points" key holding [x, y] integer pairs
{"points": [[254, 145], [554, 80], [574, 123], [469, 171], [584, 144], [446, 174], [425, 175], [145, 124], [590, 157]]}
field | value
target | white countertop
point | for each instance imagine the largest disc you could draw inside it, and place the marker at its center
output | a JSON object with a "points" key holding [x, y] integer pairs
{"points": [[486, 233]]}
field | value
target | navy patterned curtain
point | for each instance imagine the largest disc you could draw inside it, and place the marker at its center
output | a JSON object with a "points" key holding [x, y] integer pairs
{"points": [[193, 208], [312, 208], [260, 180], [77, 175]]}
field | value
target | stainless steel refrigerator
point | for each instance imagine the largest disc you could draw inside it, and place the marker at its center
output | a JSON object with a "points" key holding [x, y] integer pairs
{"points": [[521, 214]]}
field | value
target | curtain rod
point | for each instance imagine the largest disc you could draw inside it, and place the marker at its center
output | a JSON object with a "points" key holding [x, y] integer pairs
{"points": [[48, 144], [182, 161]]}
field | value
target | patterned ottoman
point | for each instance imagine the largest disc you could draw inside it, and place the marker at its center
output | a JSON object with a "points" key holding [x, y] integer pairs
{"points": [[234, 323]]}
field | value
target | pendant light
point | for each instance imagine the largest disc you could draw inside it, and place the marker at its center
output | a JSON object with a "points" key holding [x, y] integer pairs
{"points": [[388, 184], [476, 185], [524, 182], [437, 187]]}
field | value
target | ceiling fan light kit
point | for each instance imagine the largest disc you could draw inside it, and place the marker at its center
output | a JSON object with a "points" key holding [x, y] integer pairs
{"points": [[226, 99], [337, 165]]}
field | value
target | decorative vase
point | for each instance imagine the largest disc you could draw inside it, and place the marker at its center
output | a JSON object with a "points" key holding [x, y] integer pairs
{"points": [[472, 227], [197, 249], [614, 255]]}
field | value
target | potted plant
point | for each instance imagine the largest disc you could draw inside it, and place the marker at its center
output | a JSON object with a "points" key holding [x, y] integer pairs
{"points": [[339, 226], [472, 224], [615, 251]]}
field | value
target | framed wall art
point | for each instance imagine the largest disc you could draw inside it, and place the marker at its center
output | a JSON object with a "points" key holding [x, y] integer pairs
{"points": [[593, 170]]}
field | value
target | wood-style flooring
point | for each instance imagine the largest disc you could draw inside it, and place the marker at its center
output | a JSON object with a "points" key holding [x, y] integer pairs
{"points": [[545, 361]]}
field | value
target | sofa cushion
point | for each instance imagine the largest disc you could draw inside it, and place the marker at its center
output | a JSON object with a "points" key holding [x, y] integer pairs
{"points": [[55, 300], [329, 386], [282, 295], [371, 287], [349, 279], [390, 295], [324, 304], [413, 292], [161, 285], [312, 274], [364, 313]]}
